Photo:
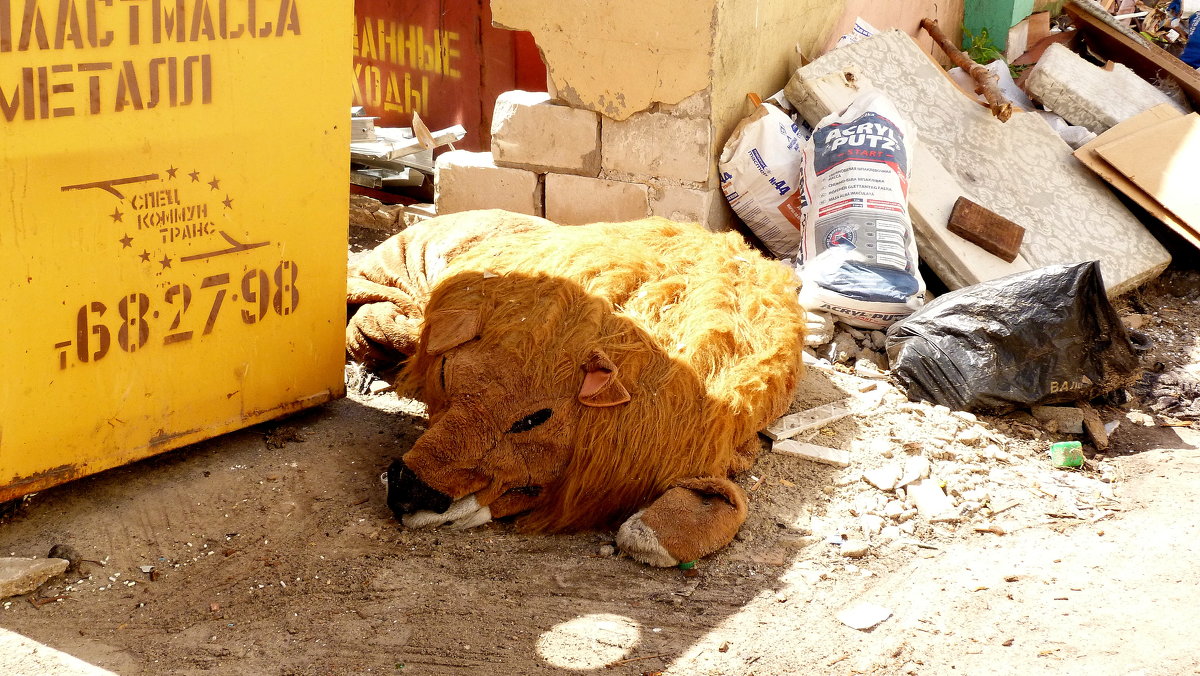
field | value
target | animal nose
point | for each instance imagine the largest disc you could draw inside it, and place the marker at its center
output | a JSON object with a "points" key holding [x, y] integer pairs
{"points": [[406, 493]]}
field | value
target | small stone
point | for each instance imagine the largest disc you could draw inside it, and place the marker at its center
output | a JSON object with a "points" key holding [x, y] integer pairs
{"points": [[915, 468], [908, 527], [1139, 418], [842, 349], [23, 575], [855, 549], [744, 535], [870, 524], [965, 416], [972, 436], [927, 495], [854, 333], [893, 509], [906, 515], [878, 340], [607, 550], [863, 616], [890, 533]]}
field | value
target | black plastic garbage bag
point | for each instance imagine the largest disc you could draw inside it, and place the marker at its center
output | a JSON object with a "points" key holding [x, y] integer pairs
{"points": [[1038, 337]]}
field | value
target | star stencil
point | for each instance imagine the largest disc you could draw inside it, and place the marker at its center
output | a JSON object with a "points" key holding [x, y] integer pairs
{"points": [[145, 256], [215, 183], [126, 241], [228, 202], [165, 262], [195, 176], [171, 172], [116, 215]]}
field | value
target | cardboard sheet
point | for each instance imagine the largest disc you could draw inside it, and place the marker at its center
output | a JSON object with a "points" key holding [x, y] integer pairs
{"points": [[1088, 156], [1163, 160]]}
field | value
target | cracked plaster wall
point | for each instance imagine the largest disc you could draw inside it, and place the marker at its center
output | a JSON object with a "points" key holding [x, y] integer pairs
{"points": [[618, 57]]}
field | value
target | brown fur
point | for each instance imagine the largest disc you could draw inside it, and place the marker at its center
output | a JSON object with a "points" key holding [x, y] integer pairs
{"points": [[704, 333]]}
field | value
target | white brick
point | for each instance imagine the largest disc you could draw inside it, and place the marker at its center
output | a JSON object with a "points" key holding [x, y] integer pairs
{"points": [[576, 200], [706, 207], [530, 132], [659, 145], [464, 180]]}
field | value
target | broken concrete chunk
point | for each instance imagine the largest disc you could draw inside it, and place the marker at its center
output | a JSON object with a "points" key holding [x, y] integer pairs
{"points": [[1068, 418], [870, 525], [863, 616], [818, 329], [842, 349], [855, 549], [821, 454], [929, 499], [884, 478], [23, 575], [916, 467], [791, 425]]}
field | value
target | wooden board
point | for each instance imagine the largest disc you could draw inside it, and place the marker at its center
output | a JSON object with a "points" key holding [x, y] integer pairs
{"points": [[1146, 59], [1163, 160], [1088, 156], [993, 233]]}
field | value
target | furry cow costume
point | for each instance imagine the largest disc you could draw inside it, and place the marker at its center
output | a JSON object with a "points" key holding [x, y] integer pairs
{"points": [[580, 376]]}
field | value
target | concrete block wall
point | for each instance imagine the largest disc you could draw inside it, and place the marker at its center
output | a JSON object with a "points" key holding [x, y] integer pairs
{"points": [[593, 168]]}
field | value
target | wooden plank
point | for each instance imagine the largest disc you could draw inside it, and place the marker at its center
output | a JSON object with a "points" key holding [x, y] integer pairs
{"points": [[821, 454], [993, 233], [1145, 58], [1163, 160], [790, 425], [1088, 156]]}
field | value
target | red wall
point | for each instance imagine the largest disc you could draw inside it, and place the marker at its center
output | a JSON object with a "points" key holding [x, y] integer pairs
{"points": [[441, 58]]}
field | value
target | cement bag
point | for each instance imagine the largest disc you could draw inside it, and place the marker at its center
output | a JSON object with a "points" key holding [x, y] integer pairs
{"points": [[1040, 337], [858, 257], [761, 166]]}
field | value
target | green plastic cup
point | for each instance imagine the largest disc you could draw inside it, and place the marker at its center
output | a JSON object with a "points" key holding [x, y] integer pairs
{"points": [[1066, 454]]}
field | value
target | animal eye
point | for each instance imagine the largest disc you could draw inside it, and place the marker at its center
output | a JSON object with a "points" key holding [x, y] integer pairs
{"points": [[531, 421]]}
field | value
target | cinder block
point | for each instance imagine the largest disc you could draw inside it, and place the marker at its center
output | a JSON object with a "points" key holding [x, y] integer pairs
{"points": [[707, 207], [530, 132], [659, 145], [464, 180], [576, 200]]}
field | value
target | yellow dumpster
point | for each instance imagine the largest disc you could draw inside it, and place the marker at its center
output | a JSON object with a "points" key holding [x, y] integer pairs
{"points": [[172, 224]]}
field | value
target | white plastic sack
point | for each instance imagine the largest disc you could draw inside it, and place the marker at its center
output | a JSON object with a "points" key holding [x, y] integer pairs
{"points": [[761, 166], [858, 257]]}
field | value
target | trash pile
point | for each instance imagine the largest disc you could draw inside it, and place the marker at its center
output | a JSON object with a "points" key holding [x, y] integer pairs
{"points": [[873, 156], [395, 158]]}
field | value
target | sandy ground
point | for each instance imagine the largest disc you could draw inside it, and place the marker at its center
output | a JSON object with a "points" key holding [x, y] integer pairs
{"points": [[273, 552]]}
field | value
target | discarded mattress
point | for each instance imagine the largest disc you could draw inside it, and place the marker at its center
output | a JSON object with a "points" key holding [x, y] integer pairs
{"points": [[1088, 95], [1019, 169]]}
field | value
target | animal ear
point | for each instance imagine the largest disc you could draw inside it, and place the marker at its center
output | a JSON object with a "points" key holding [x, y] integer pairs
{"points": [[450, 328], [601, 387]]}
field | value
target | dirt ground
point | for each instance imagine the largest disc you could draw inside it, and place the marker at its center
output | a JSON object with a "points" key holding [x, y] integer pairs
{"points": [[273, 552]]}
